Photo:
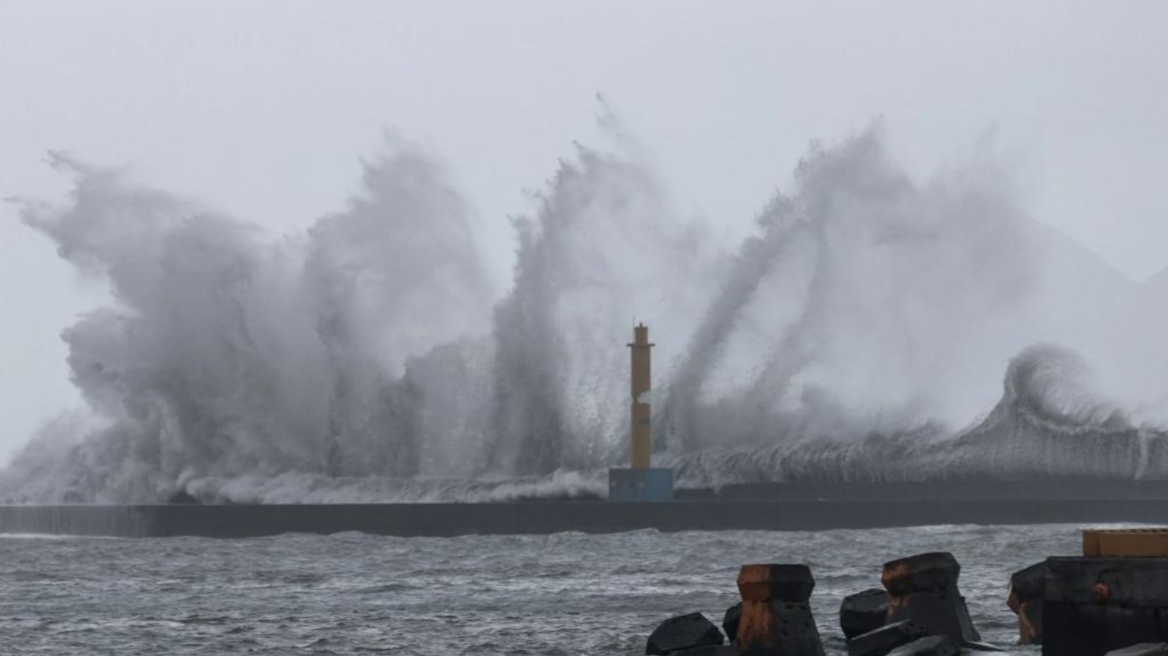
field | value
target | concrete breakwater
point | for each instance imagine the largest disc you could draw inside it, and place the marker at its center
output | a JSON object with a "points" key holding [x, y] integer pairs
{"points": [[450, 519], [920, 612], [1112, 601]]}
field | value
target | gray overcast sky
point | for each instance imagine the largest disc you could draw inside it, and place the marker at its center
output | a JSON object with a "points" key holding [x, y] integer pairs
{"points": [[263, 109]]}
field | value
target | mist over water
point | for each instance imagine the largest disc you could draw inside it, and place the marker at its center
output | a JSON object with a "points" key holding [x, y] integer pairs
{"points": [[871, 327]]}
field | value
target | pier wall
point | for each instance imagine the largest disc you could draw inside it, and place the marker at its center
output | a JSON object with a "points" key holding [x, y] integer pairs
{"points": [[238, 521]]}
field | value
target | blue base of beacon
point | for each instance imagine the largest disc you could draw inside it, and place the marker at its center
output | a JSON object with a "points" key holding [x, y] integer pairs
{"points": [[649, 484]]}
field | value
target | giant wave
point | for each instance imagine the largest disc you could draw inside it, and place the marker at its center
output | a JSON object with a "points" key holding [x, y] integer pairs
{"points": [[857, 335]]}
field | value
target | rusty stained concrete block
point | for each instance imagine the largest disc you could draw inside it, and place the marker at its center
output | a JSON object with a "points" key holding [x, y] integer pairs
{"points": [[1025, 599], [776, 619], [923, 588], [783, 582], [1092, 605]]}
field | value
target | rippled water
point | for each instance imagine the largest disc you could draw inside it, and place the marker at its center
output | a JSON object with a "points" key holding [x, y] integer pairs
{"points": [[521, 595]]}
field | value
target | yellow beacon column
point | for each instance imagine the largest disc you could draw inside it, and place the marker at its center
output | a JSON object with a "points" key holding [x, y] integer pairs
{"points": [[640, 481], [641, 434]]}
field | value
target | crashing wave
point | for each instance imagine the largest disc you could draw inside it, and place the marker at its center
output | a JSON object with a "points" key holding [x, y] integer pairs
{"points": [[1048, 424], [368, 360]]}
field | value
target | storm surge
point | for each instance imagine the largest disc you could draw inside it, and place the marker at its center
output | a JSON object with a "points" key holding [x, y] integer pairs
{"points": [[1047, 425], [859, 333]]}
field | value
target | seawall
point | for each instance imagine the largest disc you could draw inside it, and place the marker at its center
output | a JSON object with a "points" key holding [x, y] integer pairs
{"points": [[239, 521]]}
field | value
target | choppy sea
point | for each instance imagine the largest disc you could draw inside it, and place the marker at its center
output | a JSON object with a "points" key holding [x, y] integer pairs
{"points": [[520, 595]]}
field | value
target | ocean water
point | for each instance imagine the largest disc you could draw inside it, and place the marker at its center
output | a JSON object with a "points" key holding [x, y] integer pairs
{"points": [[516, 595]]}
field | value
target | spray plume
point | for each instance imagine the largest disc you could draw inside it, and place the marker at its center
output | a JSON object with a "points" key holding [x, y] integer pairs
{"points": [[857, 335]]}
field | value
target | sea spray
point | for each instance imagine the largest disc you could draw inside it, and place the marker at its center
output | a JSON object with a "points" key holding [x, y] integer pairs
{"points": [[864, 302], [228, 354], [1049, 423], [858, 334], [603, 250]]}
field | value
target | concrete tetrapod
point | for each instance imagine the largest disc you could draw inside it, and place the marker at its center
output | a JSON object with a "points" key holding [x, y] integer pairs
{"points": [[730, 621], [1025, 599], [863, 612], [1092, 605], [683, 632], [776, 619], [923, 588]]}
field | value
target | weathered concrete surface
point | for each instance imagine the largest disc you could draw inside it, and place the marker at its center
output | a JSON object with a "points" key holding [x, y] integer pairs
{"points": [[449, 519], [1128, 542], [973, 645], [116, 521], [886, 638], [930, 646], [923, 588], [1142, 649], [782, 582], [776, 619], [1094, 605], [683, 632], [1025, 599], [937, 570], [730, 621], [863, 612]]}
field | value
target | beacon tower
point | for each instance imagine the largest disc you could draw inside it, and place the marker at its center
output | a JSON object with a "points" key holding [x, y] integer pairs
{"points": [[640, 428], [640, 481]]}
